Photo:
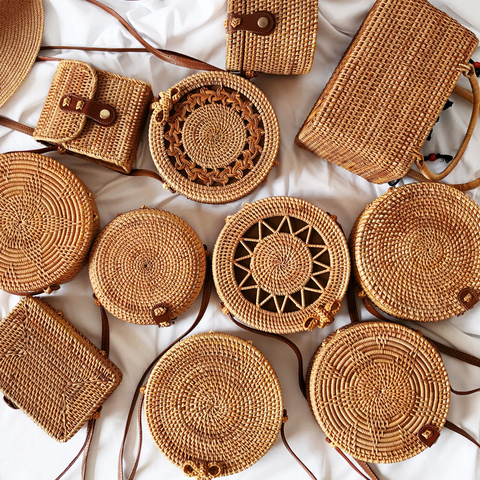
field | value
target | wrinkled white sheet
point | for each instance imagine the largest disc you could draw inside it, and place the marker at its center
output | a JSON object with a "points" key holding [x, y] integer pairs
{"points": [[196, 28]]}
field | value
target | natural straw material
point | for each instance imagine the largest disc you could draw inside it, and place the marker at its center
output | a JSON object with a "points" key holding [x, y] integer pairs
{"points": [[288, 50], [143, 259], [213, 137], [113, 146], [21, 31], [415, 248], [48, 220], [213, 405], [50, 371], [373, 386], [281, 265], [387, 92]]}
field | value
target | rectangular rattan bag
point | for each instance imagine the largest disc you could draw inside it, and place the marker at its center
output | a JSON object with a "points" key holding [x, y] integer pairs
{"points": [[95, 114], [388, 90], [50, 371], [271, 36]]}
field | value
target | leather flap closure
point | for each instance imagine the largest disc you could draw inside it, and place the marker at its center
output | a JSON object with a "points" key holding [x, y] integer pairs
{"points": [[428, 435], [101, 113], [468, 298], [57, 125], [261, 23]]}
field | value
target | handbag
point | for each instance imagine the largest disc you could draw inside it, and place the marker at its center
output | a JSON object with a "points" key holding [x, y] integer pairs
{"points": [[271, 36], [388, 90]]}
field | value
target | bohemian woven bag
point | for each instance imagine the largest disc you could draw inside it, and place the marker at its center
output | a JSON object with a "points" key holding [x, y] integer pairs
{"points": [[147, 267], [271, 36], [281, 265], [48, 221], [387, 92], [416, 252]]}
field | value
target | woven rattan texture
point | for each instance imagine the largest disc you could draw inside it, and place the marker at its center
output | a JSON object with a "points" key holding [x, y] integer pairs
{"points": [[50, 371], [388, 90], [415, 248], [281, 265], [213, 403], [213, 137], [372, 386], [289, 50], [144, 258], [21, 31], [114, 146], [48, 221]]}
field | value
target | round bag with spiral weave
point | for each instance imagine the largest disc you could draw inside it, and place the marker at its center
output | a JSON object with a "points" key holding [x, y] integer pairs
{"points": [[213, 405], [379, 391], [281, 265], [213, 137], [416, 252], [48, 220], [147, 266]]}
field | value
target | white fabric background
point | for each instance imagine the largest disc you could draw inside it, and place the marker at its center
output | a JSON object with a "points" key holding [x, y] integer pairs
{"points": [[196, 28]]}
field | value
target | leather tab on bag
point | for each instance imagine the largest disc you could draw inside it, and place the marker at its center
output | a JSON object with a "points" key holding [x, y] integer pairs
{"points": [[10, 403], [99, 112], [428, 435], [467, 298], [164, 319], [261, 23]]}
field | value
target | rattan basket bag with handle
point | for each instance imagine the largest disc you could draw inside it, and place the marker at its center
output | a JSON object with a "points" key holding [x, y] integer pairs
{"points": [[48, 221], [388, 90], [416, 252], [281, 265], [271, 36], [147, 266]]}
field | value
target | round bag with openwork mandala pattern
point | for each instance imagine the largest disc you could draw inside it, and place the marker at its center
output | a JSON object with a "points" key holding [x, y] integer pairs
{"points": [[213, 137], [48, 221], [379, 391], [416, 252], [213, 405], [147, 266], [281, 265]]}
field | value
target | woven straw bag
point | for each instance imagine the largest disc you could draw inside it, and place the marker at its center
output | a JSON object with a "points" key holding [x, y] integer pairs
{"points": [[94, 114], [416, 252], [379, 391], [213, 137], [387, 92], [48, 221], [147, 266], [50, 371], [225, 371], [281, 265], [271, 36]]}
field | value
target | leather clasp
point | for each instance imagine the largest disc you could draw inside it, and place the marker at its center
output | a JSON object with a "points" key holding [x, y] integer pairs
{"points": [[468, 298], [164, 319], [99, 112], [261, 23], [428, 435]]}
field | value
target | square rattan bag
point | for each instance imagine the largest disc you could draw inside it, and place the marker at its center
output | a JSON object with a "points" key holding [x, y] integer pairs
{"points": [[50, 371], [95, 114], [387, 92], [271, 36]]}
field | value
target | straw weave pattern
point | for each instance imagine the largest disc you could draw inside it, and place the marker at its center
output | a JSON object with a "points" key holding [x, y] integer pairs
{"points": [[48, 221], [289, 50], [281, 262], [213, 399], [387, 92], [372, 386], [144, 258], [50, 371], [415, 247]]}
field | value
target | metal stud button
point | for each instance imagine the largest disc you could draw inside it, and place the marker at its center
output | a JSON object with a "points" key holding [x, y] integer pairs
{"points": [[104, 114], [262, 22]]}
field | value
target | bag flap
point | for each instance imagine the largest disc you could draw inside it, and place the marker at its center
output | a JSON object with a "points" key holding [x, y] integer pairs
{"points": [[71, 78]]}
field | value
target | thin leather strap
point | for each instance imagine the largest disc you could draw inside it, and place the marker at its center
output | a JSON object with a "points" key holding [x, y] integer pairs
{"points": [[290, 451], [142, 172], [371, 475], [19, 127], [207, 290], [165, 55], [286, 341], [461, 431]]}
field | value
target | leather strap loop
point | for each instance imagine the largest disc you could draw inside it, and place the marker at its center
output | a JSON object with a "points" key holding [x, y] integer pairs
{"points": [[261, 23], [100, 113]]}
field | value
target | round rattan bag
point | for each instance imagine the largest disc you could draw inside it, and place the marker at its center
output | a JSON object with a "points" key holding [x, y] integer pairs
{"points": [[48, 220], [213, 137], [147, 266], [281, 265], [379, 391], [416, 252], [213, 405]]}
